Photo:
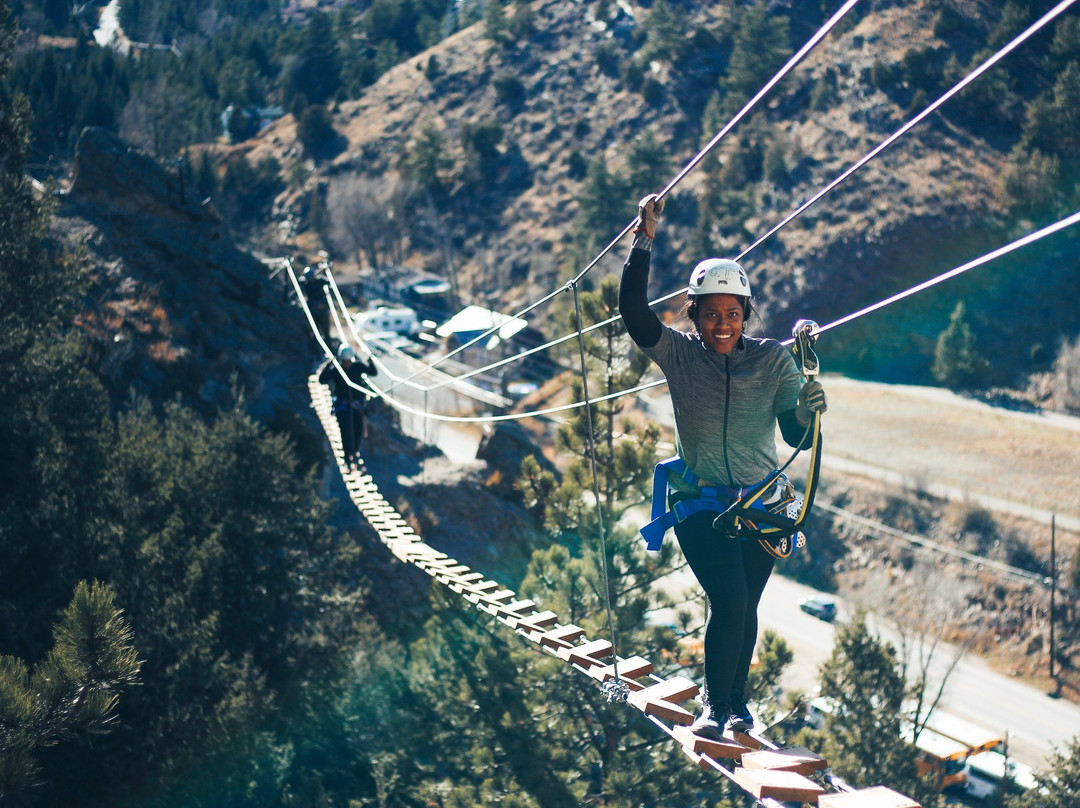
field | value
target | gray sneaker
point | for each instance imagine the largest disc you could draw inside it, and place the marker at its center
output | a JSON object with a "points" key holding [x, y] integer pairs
{"points": [[707, 724]]}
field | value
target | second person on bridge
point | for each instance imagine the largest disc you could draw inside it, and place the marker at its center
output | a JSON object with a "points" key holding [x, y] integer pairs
{"points": [[347, 386], [728, 391]]}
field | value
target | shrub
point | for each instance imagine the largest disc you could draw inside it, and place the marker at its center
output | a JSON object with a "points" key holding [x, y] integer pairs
{"points": [[1067, 376], [955, 360], [315, 128], [509, 89]]}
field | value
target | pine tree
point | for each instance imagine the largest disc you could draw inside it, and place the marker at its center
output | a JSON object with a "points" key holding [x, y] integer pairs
{"points": [[73, 692], [665, 31], [760, 46], [1058, 784], [866, 743], [956, 362], [426, 159], [605, 206], [624, 464]]}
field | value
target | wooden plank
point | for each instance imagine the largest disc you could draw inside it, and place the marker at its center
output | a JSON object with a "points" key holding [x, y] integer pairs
{"points": [[876, 797], [534, 622], [725, 749], [666, 710], [426, 551], [631, 668], [746, 738], [700, 760], [793, 759], [477, 586], [399, 549], [783, 786], [454, 572], [490, 601], [675, 689], [562, 636], [518, 608], [662, 699], [587, 655]]}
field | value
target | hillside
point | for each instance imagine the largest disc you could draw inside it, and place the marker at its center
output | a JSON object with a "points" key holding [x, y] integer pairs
{"points": [[508, 229]]}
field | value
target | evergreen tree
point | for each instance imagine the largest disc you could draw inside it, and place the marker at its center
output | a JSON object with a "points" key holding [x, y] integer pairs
{"points": [[73, 692], [1058, 784], [480, 144], [867, 741], [426, 160], [956, 362], [665, 32], [604, 207], [761, 44], [315, 129], [624, 464], [495, 23], [55, 434], [1053, 119], [316, 71], [647, 164]]}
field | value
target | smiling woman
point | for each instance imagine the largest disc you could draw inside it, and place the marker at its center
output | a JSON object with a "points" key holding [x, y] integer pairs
{"points": [[728, 391]]}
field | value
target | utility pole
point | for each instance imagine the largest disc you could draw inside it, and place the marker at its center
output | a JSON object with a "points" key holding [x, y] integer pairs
{"points": [[1005, 771], [1053, 586]]}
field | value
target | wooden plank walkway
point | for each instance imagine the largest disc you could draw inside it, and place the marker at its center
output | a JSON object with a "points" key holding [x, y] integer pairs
{"points": [[775, 777]]}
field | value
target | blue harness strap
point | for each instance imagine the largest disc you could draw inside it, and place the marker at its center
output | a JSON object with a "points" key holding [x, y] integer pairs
{"points": [[715, 498]]}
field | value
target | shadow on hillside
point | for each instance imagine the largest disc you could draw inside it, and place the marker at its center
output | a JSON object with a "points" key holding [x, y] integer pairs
{"points": [[1003, 398]]}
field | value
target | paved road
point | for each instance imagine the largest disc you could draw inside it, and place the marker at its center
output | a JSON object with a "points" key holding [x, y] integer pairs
{"points": [[1035, 721]]}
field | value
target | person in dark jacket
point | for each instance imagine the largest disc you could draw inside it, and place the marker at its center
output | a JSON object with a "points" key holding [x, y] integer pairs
{"points": [[315, 285], [348, 401], [728, 391]]}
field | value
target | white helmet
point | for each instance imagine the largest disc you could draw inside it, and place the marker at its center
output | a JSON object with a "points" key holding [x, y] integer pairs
{"points": [[719, 276]]}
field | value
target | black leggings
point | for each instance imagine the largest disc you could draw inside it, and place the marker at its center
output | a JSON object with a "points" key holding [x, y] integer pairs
{"points": [[351, 424], [733, 574]]}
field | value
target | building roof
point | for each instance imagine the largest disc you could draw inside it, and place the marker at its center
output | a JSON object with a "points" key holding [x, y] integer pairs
{"points": [[472, 321]]}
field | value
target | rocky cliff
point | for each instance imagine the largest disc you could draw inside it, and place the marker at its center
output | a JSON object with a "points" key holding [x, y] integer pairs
{"points": [[177, 308]]}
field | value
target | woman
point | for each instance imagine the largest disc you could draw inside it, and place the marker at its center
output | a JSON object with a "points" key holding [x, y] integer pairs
{"points": [[728, 391]]}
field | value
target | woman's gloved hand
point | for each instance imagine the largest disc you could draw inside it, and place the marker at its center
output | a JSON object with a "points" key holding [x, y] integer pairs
{"points": [[811, 400], [649, 210]]}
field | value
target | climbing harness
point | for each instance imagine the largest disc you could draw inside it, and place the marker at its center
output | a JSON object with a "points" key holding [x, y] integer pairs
{"points": [[709, 497], [770, 511]]}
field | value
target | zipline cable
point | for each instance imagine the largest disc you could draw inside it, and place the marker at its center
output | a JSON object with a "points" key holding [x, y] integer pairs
{"points": [[315, 331], [616, 689], [337, 301], [1068, 221], [742, 113], [701, 155], [1001, 251], [1016, 573]]}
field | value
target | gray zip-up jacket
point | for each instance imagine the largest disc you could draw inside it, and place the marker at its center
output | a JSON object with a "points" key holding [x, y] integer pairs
{"points": [[726, 405]]}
